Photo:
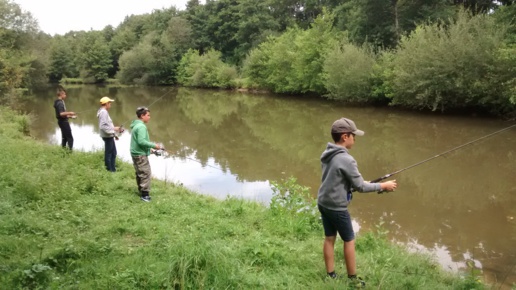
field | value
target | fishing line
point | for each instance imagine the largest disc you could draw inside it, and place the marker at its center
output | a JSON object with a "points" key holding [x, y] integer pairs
{"points": [[80, 112], [170, 154], [441, 154], [152, 103]]}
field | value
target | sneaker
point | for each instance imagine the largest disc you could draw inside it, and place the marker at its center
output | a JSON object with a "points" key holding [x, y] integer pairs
{"points": [[357, 281], [145, 198], [332, 275]]}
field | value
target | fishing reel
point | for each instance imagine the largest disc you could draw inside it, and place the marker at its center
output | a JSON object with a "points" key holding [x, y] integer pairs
{"points": [[160, 152], [121, 130]]}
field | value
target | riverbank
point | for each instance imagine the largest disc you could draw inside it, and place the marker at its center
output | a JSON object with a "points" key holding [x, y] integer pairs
{"points": [[67, 223]]}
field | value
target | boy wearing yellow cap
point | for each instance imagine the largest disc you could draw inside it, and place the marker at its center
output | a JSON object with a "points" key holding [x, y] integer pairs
{"points": [[108, 133]]}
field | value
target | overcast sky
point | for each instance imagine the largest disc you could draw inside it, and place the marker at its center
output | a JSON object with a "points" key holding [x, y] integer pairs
{"points": [[61, 16]]}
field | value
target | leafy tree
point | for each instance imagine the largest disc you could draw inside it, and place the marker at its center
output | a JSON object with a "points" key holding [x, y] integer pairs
{"points": [[348, 72], [292, 62], [95, 58], [161, 52], [255, 24], [205, 70], [158, 20], [382, 23], [18, 42], [39, 47], [197, 16], [178, 35], [301, 13], [15, 25], [232, 27], [222, 26], [477, 6], [450, 66], [62, 61], [134, 64]]}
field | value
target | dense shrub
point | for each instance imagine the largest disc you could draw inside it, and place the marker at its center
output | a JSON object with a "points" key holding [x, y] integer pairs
{"points": [[292, 62], [453, 65], [348, 70], [206, 70]]}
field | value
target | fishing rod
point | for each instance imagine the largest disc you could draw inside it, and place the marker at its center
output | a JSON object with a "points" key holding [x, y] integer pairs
{"points": [[439, 155], [151, 104], [121, 128], [165, 153]]}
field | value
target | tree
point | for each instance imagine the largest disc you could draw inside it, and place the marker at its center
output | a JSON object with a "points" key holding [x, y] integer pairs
{"points": [[95, 58], [461, 64], [255, 24], [62, 61], [18, 33], [382, 23]]}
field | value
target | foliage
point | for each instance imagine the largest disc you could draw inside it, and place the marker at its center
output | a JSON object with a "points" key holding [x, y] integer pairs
{"points": [[62, 60], [154, 60], [449, 66], [205, 70], [134, 64], [282, 46], [348, 72], [232, 27], [293, 61], [20, 66], [95, 60], [382, 23], [291, 199]]}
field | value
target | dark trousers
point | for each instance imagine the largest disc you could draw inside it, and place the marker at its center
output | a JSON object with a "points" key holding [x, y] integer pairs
{"points": [[66, 133], [110, 153]]}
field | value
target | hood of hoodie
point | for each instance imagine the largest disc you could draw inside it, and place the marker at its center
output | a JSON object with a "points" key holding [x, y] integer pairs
{"points": [[330, 152], [99, 110], [136, 122]]}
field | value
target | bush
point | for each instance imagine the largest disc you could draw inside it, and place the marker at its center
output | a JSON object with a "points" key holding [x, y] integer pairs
{"points": [[451, 66], [207, 70], [292, 201], [348, 70], [292, 62]]}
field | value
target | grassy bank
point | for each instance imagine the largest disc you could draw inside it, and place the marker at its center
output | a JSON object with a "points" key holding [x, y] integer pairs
{"points": [[66, 223]]}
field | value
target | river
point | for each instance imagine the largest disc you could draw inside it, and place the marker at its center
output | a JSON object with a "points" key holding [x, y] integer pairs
{"points": [[460, 207]]}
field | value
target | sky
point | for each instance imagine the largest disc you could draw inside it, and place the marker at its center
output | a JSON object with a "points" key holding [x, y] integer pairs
{"points": [[61, 16]]}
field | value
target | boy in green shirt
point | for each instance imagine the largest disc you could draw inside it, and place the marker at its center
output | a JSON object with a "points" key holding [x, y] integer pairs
{"points": [[140, 150]]}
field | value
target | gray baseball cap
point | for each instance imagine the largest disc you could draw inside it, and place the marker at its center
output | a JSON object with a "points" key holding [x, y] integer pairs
{"points": [[344, 125]]}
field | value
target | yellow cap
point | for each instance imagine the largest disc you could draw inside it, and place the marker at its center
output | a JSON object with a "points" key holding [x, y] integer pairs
{"points": [[105, 100]]}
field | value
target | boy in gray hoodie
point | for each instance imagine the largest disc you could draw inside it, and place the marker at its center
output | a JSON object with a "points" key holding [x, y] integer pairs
{"points": [[340, 177], [108, 133]]}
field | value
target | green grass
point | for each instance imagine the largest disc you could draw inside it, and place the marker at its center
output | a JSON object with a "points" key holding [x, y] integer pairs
{"points": [[66, 223]]}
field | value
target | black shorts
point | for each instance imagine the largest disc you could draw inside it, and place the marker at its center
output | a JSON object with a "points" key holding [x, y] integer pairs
{"points": [[337, 221]]}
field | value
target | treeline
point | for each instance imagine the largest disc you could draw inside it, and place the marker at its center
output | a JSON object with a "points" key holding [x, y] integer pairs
{"points": [[437, 54]]}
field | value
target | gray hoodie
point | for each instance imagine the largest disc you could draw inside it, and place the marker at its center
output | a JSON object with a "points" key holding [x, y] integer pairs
{"points": [[105, 123], [339, 176]]}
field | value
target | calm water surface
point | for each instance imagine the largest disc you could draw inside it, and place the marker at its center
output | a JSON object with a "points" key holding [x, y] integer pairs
{"points": [[461, 207]]}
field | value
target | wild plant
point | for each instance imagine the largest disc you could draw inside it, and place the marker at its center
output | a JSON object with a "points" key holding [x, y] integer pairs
{"points": [[293, 202]]}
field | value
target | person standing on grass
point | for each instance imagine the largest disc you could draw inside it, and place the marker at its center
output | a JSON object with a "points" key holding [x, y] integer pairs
{"points": [[108, 133], [140, 150], [340, 176], [62, 118]]}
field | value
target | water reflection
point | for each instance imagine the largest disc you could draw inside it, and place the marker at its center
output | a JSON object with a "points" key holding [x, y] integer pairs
{"points": [[204, 177], [461, 206]]}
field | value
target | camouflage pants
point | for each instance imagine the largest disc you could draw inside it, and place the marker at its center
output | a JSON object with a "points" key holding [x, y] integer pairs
{"points": [[143, 174]]}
